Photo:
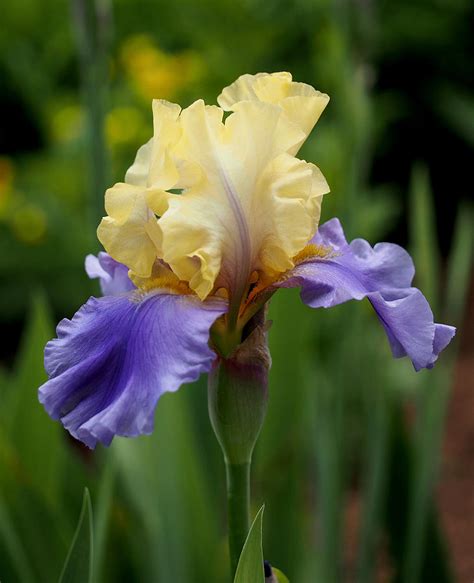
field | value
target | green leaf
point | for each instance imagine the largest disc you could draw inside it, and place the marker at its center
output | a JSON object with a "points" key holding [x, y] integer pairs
{"points": [[102, 513], [14, 545], [423, 236], [375, 472], [250, 567], [27, 425], [171, 480], [460, 262], [284, 491], [280, 577], [78, 565]]}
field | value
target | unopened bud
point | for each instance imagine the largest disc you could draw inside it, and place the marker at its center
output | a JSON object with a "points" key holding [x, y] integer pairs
{"points": [[238, 393]]}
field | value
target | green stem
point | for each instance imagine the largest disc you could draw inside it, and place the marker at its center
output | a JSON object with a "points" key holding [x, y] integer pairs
{"points": [[237, 399], [238, 507], [91, 21]]}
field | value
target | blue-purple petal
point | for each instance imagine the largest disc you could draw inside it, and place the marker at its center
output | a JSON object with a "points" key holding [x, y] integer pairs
{"points": [[443, 336], [111, 363], [383, 274], [408, 322], [112, 275]]}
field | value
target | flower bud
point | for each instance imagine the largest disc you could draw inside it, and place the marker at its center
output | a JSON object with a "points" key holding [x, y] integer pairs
{"points": [[238, 393]]}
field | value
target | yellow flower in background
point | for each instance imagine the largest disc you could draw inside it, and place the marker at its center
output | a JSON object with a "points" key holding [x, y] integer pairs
{"points": [[153, 72], [29, 223], [221, 199], [124, 125], [67, 123]]}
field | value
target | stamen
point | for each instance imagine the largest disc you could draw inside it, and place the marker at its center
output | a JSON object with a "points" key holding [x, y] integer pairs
{"points": [[169, 282], [222, 292], [311, 251]]}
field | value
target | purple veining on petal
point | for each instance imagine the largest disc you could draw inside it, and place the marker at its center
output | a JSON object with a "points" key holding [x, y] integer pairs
{"points": [[111, 363], [112, 275], [242, 263], [383, 274]]}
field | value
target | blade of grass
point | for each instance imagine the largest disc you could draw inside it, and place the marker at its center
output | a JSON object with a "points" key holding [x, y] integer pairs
{"points": [[397, 508], [460, 265], [102, 515], [341, 374], [423, 237], [250, 566], [375, 482], [79, 561], [282, 452], [31, 431], [167, 482], [435, 388], [91, 21], [14, 548]]}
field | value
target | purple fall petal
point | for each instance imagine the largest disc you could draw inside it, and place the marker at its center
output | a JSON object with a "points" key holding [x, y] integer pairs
{"points": [[112, 275], [383, 274], [111, 363], [408, 322]]}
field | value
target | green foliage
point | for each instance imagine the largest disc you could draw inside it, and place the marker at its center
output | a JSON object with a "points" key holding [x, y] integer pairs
{"points": [[170, 490], [78, 565], [460, 265], [335, 429], [423, 235], [250, 567], [28, 425], [31, 484]]}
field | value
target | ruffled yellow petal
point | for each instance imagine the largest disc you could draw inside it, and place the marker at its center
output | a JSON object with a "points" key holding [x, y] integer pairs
{"points": [[253, 206], [302, 104], [166, 132], [138, 172], [221, 202], [292, 192], [154, 165], [130, 233], [268, 87]]}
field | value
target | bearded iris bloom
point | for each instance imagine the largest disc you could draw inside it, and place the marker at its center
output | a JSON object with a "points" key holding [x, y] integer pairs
{"points": [[215, 215]]}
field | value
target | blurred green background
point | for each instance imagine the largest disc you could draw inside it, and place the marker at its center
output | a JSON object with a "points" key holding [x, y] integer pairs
{"points": [[360, 479]]}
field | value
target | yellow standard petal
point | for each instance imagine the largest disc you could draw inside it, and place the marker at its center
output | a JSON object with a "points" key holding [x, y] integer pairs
{"points": [[154, 165], [253, 206], [221, 200], [130, 233], [302, 104]]}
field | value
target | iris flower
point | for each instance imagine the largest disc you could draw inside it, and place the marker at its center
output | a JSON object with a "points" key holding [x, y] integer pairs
{"points": [[215, 215]]}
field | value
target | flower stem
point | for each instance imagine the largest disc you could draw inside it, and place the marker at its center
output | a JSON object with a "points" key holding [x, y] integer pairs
{"points": [[238, 508], [237, 399]]}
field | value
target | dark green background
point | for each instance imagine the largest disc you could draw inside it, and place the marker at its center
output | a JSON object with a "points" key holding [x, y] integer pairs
{"points": [[395, 145]]}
